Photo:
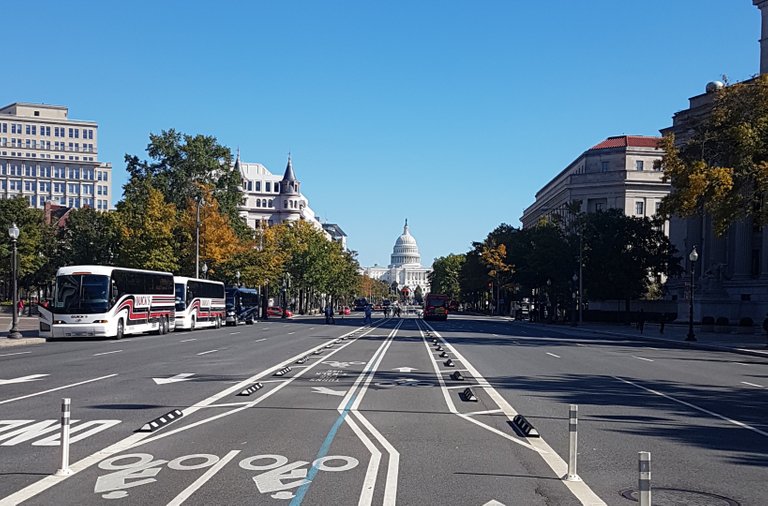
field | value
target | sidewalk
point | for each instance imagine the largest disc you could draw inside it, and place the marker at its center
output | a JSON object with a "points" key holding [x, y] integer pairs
{"points": [[27, 325], [755, 344]]}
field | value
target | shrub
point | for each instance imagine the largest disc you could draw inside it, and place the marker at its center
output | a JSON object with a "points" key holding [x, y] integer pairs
{"points": [[746, 322], [722, 321]]}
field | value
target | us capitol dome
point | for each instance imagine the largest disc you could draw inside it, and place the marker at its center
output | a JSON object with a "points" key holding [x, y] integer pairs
{"points": [[405, 267]]}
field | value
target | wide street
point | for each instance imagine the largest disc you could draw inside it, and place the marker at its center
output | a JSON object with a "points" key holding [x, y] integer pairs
{"points": [[374, 416]]}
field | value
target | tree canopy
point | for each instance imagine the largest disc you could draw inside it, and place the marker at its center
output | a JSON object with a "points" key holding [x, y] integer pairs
{"points": [[722, 168]]}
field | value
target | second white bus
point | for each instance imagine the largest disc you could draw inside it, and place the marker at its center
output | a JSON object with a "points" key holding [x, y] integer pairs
{"points": [[199, 303]]}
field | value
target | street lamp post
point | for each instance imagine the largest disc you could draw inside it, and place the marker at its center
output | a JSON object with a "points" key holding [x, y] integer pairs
{"points": [[205, 270], [576, 299], [197, 237], [13, 231], [237, 275], [693, 256]]}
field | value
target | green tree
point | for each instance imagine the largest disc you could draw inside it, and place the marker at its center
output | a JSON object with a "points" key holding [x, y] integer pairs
{"points": [[147, 226], [34, 246], [180, 163], [90, 237], [722, 169], [623, 255], [445, 275]]}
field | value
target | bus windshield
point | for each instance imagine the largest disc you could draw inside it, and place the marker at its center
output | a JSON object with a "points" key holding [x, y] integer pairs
{"points": [[81, 293]]}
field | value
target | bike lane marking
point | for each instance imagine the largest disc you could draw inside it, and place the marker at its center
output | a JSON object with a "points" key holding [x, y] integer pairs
{"points": [[138, 439], [210, 473], [350, 404], [579, 489]]}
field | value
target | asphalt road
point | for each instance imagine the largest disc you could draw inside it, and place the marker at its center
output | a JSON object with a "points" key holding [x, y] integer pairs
{"points": [[374, 416]]}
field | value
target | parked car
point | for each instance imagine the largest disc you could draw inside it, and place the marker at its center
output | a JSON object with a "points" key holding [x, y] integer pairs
{"points": [[278, 311]]}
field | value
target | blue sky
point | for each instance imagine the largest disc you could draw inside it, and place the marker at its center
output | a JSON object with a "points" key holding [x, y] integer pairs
{"points": [[449, 113]]}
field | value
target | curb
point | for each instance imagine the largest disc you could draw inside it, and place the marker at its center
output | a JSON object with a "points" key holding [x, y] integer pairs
{"points": [[8, 343]]}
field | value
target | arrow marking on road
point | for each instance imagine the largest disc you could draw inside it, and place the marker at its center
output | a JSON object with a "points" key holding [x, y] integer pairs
{"points": [[185, 376], [405, 369], [325, 390], [24, 379]]}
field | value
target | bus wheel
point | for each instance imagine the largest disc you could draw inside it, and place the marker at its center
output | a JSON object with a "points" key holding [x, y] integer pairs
{"points": [[218, 322], [161, 325], [192, 324], [120, 329]]}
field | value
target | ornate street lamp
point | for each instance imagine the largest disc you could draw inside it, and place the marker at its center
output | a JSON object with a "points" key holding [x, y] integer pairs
{"points": [[693, 256], [200, 201], [205, 270], [237, 275], [13, 232]]}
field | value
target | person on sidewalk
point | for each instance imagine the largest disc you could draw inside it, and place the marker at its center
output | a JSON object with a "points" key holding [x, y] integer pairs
{"points": [[20, 307], [367, 319], [765, 328]]}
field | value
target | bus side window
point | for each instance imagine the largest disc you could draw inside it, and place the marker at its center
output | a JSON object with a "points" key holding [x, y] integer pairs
{"points": [[115, 293]]}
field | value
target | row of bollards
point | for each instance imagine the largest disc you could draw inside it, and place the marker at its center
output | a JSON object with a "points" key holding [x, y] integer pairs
{"points": [[644, 460]]}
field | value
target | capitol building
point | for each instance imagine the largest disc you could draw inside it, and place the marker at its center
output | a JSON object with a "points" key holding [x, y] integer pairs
{"points": [[405, 266]]}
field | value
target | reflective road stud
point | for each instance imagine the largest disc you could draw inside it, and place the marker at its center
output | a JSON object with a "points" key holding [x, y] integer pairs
{"points": [[644, 483], [65, 415], [573, 425]]}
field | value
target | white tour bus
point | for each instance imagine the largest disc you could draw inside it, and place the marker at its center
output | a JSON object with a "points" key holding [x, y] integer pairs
{"points": [[199, 303], [105, 301]]}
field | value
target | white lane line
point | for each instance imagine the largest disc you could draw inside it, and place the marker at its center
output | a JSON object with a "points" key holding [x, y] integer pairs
{"points": [[652, 348], [752, 384], [642, 358], [393, 467], [107, 353], [737, 363], [260, 340], [553, 355], [233, 333], [17, 353], [207, 352], [579, 489], [693, 406], [188, 340], [187, 492], [58, 388], [486, 412], [289, 333]]}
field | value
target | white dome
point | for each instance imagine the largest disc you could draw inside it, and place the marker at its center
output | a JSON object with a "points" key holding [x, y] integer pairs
{"points": [[406, 250]]}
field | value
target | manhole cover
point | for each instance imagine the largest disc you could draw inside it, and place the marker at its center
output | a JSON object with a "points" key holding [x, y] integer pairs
{"points": [[678, 497]]}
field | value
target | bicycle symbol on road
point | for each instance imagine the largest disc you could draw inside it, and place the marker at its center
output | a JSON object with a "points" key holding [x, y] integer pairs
{"points": [[409, 382], [278, 478], [337, 364]]}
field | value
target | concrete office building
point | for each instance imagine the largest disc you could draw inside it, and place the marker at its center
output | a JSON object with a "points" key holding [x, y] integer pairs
{"points": [[622, 172], [47, 157], [731, 274]]}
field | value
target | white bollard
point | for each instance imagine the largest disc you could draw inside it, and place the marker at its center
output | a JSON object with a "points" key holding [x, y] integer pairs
{"points": [[573, 425], [644, 482], [65, 416]]}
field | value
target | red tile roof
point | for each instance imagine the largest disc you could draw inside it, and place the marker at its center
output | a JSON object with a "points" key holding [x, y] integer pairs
{"points": [[622, 141]]}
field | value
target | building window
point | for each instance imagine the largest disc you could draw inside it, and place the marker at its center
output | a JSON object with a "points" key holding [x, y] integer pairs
{"points": [[639, 164], [268, 186], [258, 186], [603, 166], [640, 208], [270, 205], [657, 165]]}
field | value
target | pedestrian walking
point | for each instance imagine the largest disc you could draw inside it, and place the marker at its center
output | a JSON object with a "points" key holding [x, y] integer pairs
{"points": [[20, 307], [765, 328], [329, 314], [641, 321], [367, 319]]}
